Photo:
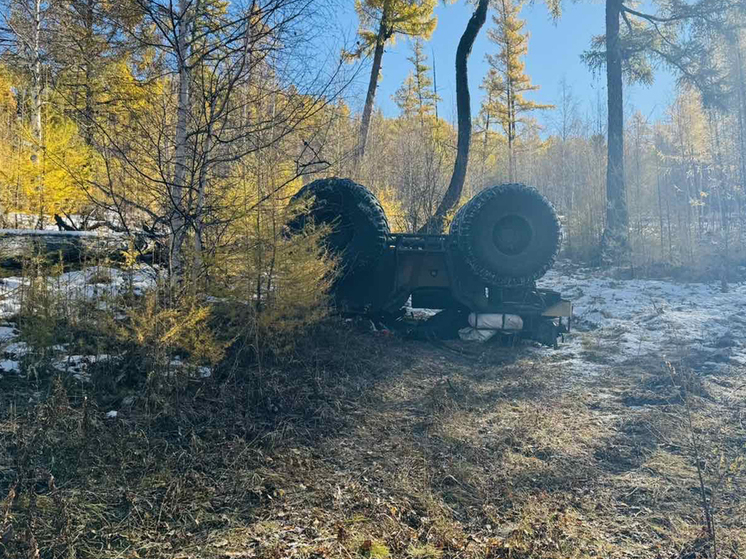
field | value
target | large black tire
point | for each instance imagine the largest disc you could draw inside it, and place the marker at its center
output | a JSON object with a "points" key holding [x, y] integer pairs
{"points": [[359, 228], [508, 234]]}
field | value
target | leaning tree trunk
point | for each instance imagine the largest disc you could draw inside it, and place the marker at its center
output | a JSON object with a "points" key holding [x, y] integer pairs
{"points": [[617, 219], [436, 223], [383, 36]]}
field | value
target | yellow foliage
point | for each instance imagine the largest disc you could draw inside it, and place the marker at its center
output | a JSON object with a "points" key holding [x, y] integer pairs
{"points": [[279, 282], [163, 332], [506, 80], [690, 130], [7, 99], [124, 93], [7, 140], [51, 175], [417, 95], [393, 209], [406, 17]]}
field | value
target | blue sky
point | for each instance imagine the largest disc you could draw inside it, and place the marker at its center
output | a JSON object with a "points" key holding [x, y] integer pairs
{"points": [[554, 52]]}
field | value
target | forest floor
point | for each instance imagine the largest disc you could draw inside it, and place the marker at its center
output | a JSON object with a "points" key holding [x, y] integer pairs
{"points": [[619, 444]]}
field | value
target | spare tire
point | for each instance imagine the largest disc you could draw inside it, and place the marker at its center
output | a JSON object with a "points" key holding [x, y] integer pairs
{"points": [[359, 228], [508, 234]]}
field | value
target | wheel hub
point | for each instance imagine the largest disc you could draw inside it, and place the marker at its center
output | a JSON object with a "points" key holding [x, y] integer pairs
{"points": [[512, 234]]}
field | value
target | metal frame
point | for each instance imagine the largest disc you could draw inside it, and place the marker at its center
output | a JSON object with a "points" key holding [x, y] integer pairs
{"points": [[430, 268]]}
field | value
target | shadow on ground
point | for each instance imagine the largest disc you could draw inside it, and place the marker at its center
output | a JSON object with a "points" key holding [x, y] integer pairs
{"points": [[372, 446]]}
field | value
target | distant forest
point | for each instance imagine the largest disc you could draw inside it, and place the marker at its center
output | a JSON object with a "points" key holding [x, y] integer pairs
{"points": [[200, 118]]}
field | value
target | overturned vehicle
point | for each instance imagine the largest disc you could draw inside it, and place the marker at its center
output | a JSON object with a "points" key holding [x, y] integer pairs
{"points": [[483, 272]]}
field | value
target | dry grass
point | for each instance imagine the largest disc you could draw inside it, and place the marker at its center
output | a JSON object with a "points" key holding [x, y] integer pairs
{"points": [[367, 446]]}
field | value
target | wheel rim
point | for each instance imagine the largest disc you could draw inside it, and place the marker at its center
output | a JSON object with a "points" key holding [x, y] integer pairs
{"points": [[512, 235]]}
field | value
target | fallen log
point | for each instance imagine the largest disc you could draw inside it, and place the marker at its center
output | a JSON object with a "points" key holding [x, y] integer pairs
{"points": [[70, 246]]}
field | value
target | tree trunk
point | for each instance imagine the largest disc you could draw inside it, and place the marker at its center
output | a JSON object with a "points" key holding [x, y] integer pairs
{"points": [[89, 43], [741, 89], [511, 136], [37, 79], [69, 246], [436, 223], [617, 219], [36, 109], [435, 88], [741, 111], [485, 145], [201, 196], [383, 35], [660, 200], [178, 188]]}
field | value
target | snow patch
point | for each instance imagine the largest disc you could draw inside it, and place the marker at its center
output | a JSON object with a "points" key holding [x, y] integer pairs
{"points": [[10, 351], [7, 333], [57, 233], [617, 320], [16, 349], [96, 284], [199, 371], [9, 366], [78, 365]]}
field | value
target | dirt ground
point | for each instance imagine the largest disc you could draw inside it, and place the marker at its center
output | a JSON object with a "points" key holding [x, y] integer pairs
{"points": [[368, 445], [457, 452]]}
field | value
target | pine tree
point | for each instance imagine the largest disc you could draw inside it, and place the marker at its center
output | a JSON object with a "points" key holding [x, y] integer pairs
{"points": [[506, 82]]}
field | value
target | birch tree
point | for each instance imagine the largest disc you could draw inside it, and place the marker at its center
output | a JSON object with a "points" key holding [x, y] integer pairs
{"points": [[26, 40], [236, 80]]}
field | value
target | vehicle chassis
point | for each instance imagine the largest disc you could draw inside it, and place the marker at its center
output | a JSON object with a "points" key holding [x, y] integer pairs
{"points": [[430, 270]]}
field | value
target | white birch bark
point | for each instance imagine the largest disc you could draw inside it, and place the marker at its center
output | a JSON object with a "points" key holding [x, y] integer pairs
{"points": [[179, 187]]}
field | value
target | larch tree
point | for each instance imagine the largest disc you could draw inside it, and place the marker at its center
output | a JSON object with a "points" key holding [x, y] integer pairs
{"points": [[47, 151], [92, 46], [420, 179], [205, 50], [234, 81], [94, 58], [381, 21], [507, 82], [416, 96], [8, 137]]}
